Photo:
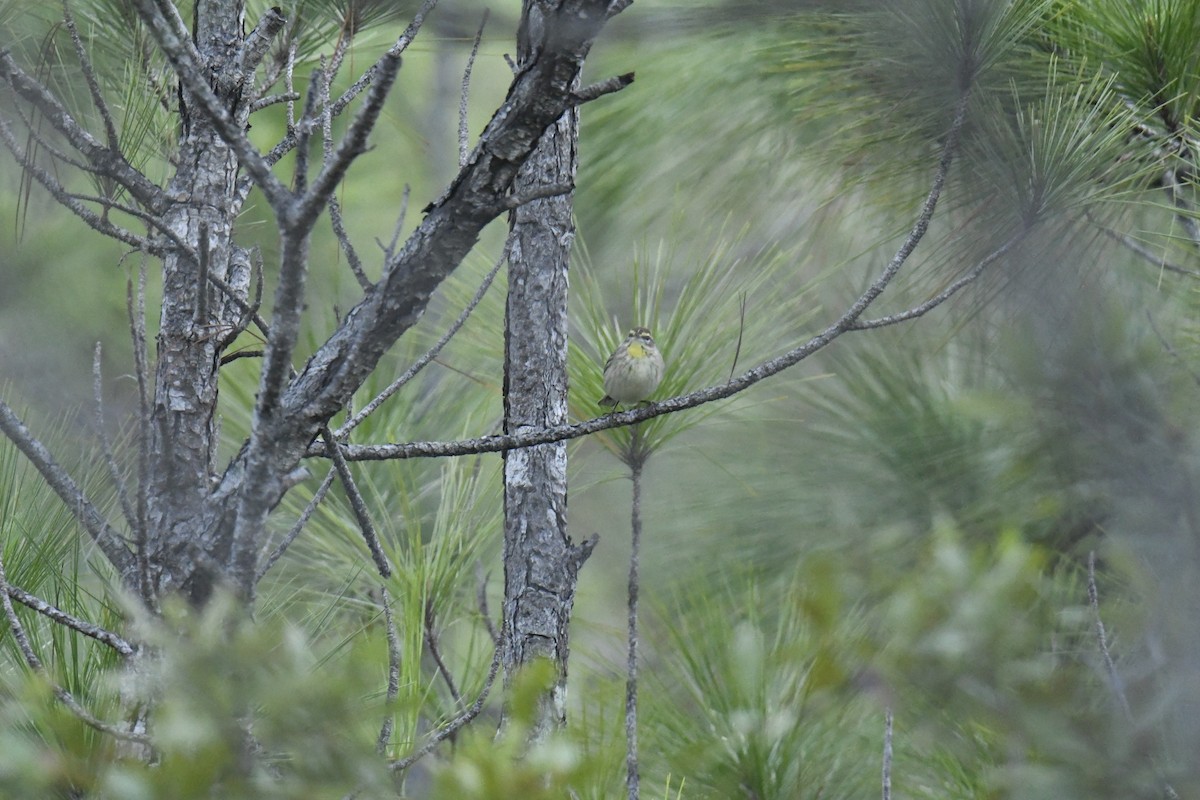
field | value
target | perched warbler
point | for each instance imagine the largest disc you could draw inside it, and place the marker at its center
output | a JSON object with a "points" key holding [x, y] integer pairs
{"points": [[633, 371]]}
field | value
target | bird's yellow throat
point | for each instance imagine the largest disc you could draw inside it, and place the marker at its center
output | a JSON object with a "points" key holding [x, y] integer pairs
{"points": [[636, 350]]}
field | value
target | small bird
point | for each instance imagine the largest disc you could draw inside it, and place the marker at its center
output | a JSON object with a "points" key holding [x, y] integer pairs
{"points": [[633, 371]]}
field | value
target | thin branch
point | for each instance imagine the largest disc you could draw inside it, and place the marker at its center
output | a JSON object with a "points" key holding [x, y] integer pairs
{"points": [[89, 75], [637, 458], [102, 533], [335, 207], [766, 369], [249, 310], [942, 296], [390, 250], [64, 198], [1171, 351], [304, 128], [455, 725], [430, 354], [35, 663], [361, 513], [481, 599], [353, 144], [464, 149], [285, 145], [273, 99], [431, 641], [1146, 253], [393, 684], [108, 162], [296, 528], [1114, 678], [88, 629], [597, 90], [110, 460], [887, 755]]}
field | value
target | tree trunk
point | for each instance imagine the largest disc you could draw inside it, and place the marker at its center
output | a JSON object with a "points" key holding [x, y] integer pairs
{"points": [[540, 562], [194, 321]]}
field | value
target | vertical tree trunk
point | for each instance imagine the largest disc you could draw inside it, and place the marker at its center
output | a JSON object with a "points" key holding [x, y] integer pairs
{"points": [[194, 320], [540, 562]]}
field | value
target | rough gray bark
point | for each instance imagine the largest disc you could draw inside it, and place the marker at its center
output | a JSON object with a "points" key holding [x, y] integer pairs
{"points": [[196, 523], [194, 325], [540, 562]]}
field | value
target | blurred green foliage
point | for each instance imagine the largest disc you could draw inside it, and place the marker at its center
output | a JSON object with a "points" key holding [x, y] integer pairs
{"points": [[899, 523]]}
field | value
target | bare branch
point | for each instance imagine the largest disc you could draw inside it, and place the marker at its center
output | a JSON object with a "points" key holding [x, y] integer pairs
{"points": [[304, 128], [106, 161], [354, 143], [81, 507], [335, 207], [596, 90], [1146, 253], [463, 146], [110, 460], [942, 296], [88, 629], [401, 44], [430, 354], [361, 513], [455, 725], [258, 42], [65, 199], [249, 310], [35, 663], [844, 323], [89, 75], [393, 684], [1114, 678], [301, 521], [274, 99], [431, 641], [389, 252]]}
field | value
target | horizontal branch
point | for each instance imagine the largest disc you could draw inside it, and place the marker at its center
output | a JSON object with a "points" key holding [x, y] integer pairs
{"points": [[846, 322], [85, 511], [607, 86]]}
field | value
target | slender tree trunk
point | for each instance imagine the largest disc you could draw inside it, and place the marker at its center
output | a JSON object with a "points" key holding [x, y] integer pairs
{"points": [[194, 320], [540, 562]]}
